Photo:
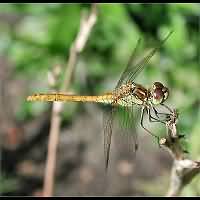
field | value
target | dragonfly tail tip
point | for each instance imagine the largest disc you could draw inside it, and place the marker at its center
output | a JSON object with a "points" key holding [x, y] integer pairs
{"points": [[29, 98]]}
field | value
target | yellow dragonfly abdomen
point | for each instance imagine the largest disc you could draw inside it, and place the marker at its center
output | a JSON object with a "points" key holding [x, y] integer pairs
{"points": [[106, 98]]}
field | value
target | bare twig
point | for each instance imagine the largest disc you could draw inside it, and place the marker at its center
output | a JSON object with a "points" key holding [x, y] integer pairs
{"points": [[87, 22], [86, 25], [183, 169]]}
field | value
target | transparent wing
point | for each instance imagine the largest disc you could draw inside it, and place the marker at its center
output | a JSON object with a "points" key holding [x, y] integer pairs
{"points": [[126, 121], [135, 66], [129, 66], [124, 118], [108, 117]]}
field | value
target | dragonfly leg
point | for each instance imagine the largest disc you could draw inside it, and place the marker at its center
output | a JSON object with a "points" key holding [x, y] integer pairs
{"points": [[141, 123], [153, 119], [166, 115], [167, 107]]}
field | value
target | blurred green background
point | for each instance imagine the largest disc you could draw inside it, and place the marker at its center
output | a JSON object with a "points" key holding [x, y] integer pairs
{"points": [[36, 37]]}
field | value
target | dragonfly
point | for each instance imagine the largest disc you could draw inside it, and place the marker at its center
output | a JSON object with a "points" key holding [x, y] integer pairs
{"points": [[126, 94]]}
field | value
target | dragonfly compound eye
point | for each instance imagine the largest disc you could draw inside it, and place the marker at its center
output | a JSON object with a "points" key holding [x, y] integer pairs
{"points": [[159, 93], [158, 96], [157, 85], [165, 93]]}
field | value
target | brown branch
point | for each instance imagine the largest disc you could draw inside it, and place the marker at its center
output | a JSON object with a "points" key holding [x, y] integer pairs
{"points": [[86, 25], [183, 169]]}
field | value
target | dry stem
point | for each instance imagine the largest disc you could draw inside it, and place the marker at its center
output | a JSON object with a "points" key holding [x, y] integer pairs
{"points": [[183, 169], [86, 25]]}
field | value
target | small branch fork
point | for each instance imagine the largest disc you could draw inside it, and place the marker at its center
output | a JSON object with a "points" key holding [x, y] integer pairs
{"points": [[183, 169]]}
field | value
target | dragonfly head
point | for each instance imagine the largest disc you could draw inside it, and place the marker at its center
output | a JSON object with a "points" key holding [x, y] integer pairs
{"points": [[159, 93]]}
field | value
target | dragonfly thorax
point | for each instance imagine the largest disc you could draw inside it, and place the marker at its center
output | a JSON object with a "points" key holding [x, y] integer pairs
{"points": [[131, 94]]}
